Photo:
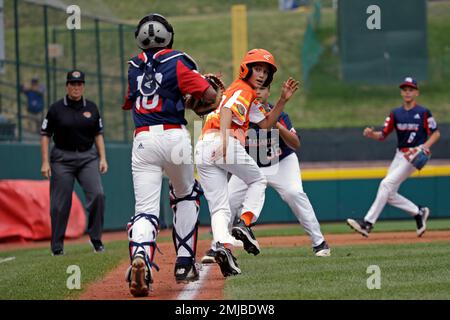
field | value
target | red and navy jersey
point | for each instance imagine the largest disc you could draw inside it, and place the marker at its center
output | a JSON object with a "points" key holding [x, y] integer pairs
{"points": [[157, 81], [412, 126], [266, 148]]}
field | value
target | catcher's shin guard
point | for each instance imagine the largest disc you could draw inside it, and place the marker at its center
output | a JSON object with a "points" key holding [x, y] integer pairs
{"points": [[139, 274], [190, 204]]}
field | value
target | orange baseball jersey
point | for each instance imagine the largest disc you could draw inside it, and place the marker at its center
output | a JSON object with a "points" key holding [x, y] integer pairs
{"points": [[240, 99]]}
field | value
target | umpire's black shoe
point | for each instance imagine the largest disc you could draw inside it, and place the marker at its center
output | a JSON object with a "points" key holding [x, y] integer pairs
{"points": [[97, 245], [185, 273], [242, 232], [363, 227], [226, 261], [58, 252]]}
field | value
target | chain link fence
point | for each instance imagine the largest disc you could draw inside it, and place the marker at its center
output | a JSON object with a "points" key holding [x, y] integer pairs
{"points": [[46, 46]]}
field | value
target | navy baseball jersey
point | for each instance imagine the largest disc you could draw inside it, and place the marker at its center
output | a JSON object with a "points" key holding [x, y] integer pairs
{"points": [[264, 147], [412, 126], [157, 82]]}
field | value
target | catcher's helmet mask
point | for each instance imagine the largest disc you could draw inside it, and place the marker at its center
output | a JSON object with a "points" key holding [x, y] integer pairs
{"points": [[154, 31], [255, 56]]}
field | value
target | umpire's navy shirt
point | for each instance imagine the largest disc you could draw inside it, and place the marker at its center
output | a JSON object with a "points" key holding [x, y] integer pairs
{"points": [[73, 124]]}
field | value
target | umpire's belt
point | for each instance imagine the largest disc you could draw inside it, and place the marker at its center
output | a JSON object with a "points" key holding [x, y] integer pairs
{"points": [[79, 148], [157, 128]]}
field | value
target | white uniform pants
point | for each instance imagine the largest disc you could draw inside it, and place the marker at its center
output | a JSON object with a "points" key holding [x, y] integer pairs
{"points": [[398, 172], [214, 180], [153, 152], [285, 178]]}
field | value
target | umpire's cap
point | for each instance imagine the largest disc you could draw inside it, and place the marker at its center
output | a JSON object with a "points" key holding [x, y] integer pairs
{"points": [[75, 76]]}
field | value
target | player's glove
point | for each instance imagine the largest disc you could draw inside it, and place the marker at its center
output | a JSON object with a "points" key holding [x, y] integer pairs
{"points": [[198, 105], [418, 156]]}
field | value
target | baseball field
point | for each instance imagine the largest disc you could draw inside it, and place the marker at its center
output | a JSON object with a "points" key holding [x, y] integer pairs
{"points": [[391, 264]]}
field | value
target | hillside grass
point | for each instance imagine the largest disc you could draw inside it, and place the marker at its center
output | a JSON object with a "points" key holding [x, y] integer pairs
{"points": [[202, 29]]}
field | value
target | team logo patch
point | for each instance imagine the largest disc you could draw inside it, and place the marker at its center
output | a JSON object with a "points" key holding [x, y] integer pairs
{"points": [[241, 109], [76, 74], [267, 57], [87, 114]]}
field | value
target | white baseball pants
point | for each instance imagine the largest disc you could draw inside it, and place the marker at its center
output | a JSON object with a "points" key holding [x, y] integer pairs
{"points": [[398, 172], [153, 152], [214, 180], [285, 178]]}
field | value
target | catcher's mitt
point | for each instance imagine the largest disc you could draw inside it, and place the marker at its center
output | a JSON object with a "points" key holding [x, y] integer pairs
{"points": [[418, 156], [199, 106]]}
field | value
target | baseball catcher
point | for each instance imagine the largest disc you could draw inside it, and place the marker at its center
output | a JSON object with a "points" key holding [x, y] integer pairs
{"points": [[159, 78], [202, 107]]}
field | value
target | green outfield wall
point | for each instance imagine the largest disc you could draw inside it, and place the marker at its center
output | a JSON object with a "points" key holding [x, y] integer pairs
{"points": [[335, 193]]}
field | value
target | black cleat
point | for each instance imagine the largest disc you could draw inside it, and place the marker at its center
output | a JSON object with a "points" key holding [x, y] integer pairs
{"points": [[322, 250], [209, 257], [360, 226], [185, 273], [226, 261], [243, 233]]}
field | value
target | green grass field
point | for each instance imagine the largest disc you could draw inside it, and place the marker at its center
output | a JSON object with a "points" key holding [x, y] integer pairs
{"points": [[35, 274], [409, 271], [341, 227]]}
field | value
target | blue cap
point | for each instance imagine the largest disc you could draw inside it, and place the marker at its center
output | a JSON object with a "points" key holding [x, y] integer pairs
{"points": [[409, 82]]}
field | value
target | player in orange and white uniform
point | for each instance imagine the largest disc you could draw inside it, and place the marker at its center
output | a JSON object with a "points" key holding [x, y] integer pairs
{"points": [[220, 151]]}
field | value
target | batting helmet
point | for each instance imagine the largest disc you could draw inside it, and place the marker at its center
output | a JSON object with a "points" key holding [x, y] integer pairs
{"points": [[154, 31], [254, 56]]}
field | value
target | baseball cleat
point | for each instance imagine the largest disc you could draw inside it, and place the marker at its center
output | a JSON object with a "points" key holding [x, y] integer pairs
{"points": [[140, 278], [226, 261], [421, 220], [322, 250], [243, 233], [209, 257], [362, 227], [185, 273]]}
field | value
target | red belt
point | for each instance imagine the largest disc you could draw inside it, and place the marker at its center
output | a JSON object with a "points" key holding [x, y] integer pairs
{"points": [[404, 149], [165, 127]]}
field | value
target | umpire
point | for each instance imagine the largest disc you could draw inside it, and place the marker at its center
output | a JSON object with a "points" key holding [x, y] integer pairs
{"points": [[75, 125]]}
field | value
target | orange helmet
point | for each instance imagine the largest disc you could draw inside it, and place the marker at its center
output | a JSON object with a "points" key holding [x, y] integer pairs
{"points": [[254, 56]]}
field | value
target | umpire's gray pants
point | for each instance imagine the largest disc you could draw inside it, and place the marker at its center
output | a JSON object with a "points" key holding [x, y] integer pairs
{"points": [[66, 166]]}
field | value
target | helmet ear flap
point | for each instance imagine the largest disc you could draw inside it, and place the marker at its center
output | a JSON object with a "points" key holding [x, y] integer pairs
{"points": [[269, 79], [245, 71]]}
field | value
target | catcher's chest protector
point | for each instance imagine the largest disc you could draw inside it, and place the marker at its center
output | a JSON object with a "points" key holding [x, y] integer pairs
{"points": [[153, 87]]}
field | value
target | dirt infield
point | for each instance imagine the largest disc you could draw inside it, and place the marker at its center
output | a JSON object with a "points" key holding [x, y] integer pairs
{"points": [[114, 287]]}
